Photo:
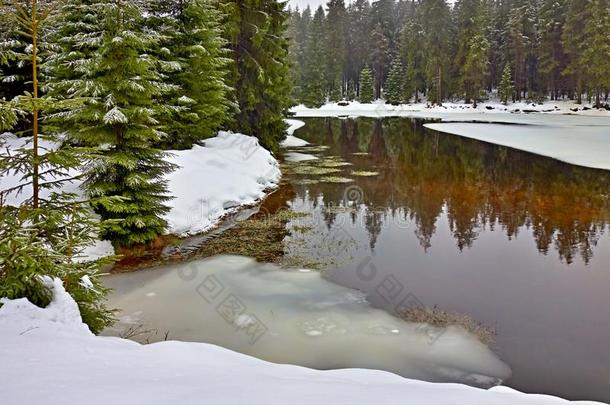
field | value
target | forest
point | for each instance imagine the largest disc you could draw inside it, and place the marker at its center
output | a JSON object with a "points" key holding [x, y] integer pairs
{"points": [[409, 51]]}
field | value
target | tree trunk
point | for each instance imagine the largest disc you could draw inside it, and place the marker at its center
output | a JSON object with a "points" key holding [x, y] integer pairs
{"points": [[35, 163]]}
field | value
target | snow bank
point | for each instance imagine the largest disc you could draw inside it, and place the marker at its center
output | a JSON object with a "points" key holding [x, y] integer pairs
{"points": [[292, 141], [48, 357], [232, 170]]}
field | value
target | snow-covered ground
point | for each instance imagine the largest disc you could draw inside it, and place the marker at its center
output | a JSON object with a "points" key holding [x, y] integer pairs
{"points": [[552, 129], [232, 170], [423, 110], [50, 357]]}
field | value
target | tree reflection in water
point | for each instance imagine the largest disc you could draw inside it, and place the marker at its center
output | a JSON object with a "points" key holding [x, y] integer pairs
{"points": [[423, 174]]}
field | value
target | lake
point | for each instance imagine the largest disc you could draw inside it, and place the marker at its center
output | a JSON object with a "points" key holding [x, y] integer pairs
{"points": [[416, 218]]}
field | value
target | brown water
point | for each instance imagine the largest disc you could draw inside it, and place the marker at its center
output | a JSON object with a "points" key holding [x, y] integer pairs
{"points": [[517, 241]]}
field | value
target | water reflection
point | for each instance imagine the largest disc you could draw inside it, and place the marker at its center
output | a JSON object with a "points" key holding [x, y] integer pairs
{"points": [[478, 186]]}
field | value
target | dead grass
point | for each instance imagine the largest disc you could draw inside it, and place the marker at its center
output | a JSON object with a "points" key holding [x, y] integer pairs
{"points": [[439, 318]]}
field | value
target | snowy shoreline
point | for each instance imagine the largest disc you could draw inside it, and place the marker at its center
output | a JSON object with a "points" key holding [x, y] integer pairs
{"points": [[49, 356], [423, 110]]}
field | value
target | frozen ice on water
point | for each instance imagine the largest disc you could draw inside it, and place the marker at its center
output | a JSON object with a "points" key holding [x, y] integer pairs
{"points": [[296, 317]]}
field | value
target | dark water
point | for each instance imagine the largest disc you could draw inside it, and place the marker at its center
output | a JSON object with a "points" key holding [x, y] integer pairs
{"points": [[516, 241]]}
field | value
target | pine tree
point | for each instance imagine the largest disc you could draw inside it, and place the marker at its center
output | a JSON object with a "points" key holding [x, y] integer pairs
{"points": [[379, 42], [351, 91], [106, 62], [256, 30], [335, 48], [596, 52], [551, 55], [475, 69], [395, 84], [412, 53], [436, 21], [314, 83], [367, 92], [193, 57], [43, 235], [506, 90]]}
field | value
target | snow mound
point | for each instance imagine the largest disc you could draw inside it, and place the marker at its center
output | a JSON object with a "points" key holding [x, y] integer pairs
{"points": [[48, 358], [230, 171], [61, 314]]}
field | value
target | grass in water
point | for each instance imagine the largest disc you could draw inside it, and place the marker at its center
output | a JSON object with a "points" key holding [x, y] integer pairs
{"points": [[335, 179], [313, 170], [260, 237], [441, 319]]}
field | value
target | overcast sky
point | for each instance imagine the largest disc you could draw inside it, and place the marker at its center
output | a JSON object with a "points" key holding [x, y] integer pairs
{"points": [[315, 3], [312, 3]]}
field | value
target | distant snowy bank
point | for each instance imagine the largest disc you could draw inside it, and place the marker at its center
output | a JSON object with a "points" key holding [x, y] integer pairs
{"points": [[230, 171], [423, 110], [49, 356]]}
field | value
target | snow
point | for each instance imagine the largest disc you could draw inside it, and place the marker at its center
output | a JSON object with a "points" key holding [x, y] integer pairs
{"points": [[554, 130], [49, 356], [230, 171], [422, 110], [292, 141]]}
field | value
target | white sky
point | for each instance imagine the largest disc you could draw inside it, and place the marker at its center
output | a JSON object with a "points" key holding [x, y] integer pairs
{"points": [[315, 3], [312, 3]]}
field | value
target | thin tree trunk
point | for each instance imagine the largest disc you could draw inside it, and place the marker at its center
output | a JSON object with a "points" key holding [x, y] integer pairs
{"points": [[35, 175]]}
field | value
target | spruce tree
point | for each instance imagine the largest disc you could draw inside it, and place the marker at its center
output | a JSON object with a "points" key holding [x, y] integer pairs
{"points": [[255, 30], [106, 62], [367, 91], [395, 85], [335, 48], [551, 55], [475, 69], [506, 90], [596, 52], [411, 50], [44, 230], [436, 21], [351, 91], [193, 57], [314, 83]]}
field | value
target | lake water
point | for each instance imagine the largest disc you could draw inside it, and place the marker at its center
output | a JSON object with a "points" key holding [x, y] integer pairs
{"points": [[412, 217]]}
